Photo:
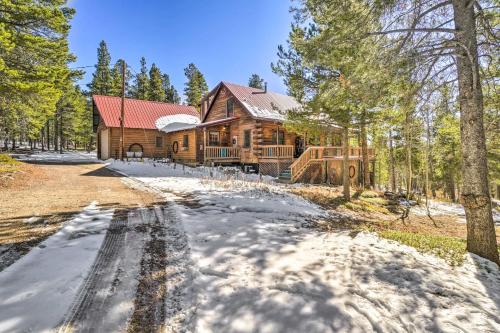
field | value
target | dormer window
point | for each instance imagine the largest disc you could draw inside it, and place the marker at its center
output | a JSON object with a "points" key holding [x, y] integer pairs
{"points": [[229, 108]]}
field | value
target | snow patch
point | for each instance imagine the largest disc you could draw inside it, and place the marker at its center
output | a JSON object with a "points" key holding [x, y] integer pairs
{"points": [[37, 289], [54, 157], [258, 267], [448, 208]]}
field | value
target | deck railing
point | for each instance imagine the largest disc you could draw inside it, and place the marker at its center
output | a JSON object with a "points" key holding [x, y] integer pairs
{"points": [[222, 153], [321, 154], [277, 151]]}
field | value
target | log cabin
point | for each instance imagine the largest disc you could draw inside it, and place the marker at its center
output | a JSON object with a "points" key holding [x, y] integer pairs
{"points": [[245, 126], [143, 121], [237, 125]]}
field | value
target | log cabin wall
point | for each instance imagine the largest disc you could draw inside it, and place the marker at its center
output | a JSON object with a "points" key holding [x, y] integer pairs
{"points": [[268, 128], [235, 129], [145, 137], [184, 154]]}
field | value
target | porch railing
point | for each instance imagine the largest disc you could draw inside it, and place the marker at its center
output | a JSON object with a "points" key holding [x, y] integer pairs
{"points": [[222, 153], [277, 151], [313, 153]]}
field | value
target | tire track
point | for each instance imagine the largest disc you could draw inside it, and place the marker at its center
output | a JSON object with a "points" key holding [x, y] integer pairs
{"points": [[101, 271], [149, 305]]}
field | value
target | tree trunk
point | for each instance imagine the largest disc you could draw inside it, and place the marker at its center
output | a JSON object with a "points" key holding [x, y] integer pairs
{"points": [[61, 139], [364, 153], [408, 156], [345, 164], [450, 183], [392, 167], [475, 197], [42, 138], [48, 134], [56, 144]]}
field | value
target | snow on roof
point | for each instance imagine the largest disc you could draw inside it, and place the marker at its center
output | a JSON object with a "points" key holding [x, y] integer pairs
{"points": [[176, 122], [262, 104]]}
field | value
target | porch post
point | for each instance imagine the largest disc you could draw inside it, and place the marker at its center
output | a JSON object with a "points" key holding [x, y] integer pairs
{"points": [[204, 144]]}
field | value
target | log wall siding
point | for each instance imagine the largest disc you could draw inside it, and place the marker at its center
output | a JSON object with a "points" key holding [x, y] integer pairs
{"points": [[188, 155], [236, 128], [145, 137], [267, 133]]}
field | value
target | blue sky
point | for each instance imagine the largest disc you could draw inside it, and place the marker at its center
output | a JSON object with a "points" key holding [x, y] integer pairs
{"points": [[227, 40]]}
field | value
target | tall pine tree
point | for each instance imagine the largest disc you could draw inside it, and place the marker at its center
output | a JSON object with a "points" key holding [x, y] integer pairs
{"points": [[196, 86], [34, 57], [171, 95], [156, 91], [141, 87], [116, 80], [101, 79]]}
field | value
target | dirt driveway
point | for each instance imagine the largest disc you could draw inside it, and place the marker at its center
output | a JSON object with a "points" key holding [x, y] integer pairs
{"points": [[39, 198]]}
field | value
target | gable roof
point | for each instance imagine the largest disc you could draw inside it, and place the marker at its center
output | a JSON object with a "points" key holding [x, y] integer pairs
{"points": [[259, 103], [138, 113]]}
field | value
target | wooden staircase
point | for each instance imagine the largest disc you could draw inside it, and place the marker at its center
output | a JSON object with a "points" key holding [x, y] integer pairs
{"points": [[285, 176], [315, 154]]}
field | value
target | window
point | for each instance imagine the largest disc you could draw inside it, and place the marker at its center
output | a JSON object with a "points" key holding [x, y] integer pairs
{"points": [[247, 138], [159, 142], [281, 140], [213, 138], [185, 142], [229, 108]]}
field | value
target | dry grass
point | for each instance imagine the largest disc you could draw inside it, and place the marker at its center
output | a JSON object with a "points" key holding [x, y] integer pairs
{"points": [[39, 198], [442, 236]]}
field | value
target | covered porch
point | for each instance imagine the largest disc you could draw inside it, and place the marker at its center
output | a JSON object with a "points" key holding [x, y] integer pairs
{"points": [[218, 141]]}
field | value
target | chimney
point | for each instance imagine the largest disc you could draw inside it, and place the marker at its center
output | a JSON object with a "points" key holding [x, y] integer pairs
{"points": [[265, 87]]}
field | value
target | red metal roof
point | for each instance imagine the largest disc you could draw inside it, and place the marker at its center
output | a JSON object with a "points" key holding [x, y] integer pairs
{"points": [[138, 113]]}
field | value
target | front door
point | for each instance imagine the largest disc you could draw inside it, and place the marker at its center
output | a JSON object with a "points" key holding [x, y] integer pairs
{"points": [[299, 146]]}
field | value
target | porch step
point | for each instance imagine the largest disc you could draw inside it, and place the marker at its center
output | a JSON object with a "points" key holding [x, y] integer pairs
{"points": [[285, 174]]}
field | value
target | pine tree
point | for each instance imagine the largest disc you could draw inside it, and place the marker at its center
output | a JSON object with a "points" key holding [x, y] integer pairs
{"points": [[34, 57], [342, 80], [256, 82], [196, 86], [101, 79], [156, 91], [171, 95], [116, 80], [141, 87]]}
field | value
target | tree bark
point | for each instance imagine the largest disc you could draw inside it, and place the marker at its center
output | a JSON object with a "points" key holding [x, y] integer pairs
{"points": [[409, 172], [475, 196], [42, 138], [56, 142], [345, 164], [61, 139], [364, 153], [392, 167], [48, 134]]}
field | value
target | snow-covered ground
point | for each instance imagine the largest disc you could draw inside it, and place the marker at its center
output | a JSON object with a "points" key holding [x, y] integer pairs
{"points": [[255, 266], [437, 208], [37, 290], [55, 157]]}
